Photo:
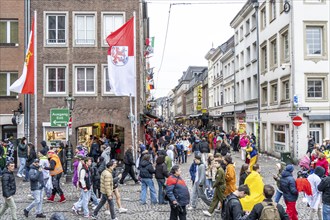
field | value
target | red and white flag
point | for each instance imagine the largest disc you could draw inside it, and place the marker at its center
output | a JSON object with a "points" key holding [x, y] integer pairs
{"points": [[121, 60], [25, 84]]}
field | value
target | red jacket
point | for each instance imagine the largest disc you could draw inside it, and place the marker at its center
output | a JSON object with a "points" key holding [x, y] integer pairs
{"points": [[323, 163], [303, 185]]}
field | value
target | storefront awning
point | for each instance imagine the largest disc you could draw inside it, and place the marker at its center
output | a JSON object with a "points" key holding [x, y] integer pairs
{"points": [[314, 117], [152, 116]]}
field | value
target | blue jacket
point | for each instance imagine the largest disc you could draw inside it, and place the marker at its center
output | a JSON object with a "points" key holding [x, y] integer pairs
{"points": [[288, 187], [36, 178], [177, 190], [192, 171]]}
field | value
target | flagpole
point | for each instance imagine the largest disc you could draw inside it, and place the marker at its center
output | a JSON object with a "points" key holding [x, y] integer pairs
{"points": [[136, 90], [131, 121], [35, 83]]}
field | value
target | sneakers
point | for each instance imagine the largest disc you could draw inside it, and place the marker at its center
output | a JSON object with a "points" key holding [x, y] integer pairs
{"points": [[107, 212], [87, 216], [94, 207], [26, 213], [75, 211], [207, 213], [122, 210], [138, 183], [41, 215], [190, 208], [94, 216], [19, 175]]}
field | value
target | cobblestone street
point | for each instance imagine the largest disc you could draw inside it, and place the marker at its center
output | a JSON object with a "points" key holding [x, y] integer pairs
{"points": [[130, 197]]}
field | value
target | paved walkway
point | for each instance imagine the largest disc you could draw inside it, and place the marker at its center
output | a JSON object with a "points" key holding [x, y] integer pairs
{"points": [[130, 198]]}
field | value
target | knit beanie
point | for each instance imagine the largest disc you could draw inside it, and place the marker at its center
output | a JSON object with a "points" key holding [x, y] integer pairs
{"points": [[320, 171], [289, 168]]}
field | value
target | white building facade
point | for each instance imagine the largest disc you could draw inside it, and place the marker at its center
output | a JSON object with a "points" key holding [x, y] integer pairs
{"points": [[294, 62]]}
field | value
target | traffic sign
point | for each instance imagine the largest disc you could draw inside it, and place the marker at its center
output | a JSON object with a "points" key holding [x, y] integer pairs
{"points": [[303, 108], [59, 117], [297, 121], [295, 100], [292, 114]]}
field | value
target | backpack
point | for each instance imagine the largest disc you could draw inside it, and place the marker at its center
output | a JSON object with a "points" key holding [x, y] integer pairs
{"points": [[225, 211], [269, 211]]}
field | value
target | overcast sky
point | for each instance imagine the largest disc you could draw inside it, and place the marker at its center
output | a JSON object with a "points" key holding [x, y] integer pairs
{"points": [[193, 29]]}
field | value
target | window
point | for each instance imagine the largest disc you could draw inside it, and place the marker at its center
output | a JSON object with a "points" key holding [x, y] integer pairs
{"points": [[106, 82], [254, 52], [56, 79], [285, 50], [314, 88], [279, 137], [56, 29], [285, 90], [84, 29], [264, 95], [249, 87], [315, 130], [85, 79], [237, 61], [273, 52], [263, 18], [272, 10], [236, 37], [274, 93], [316, 40], [248, 55], [111, 22], [8, 32], [247, 27], [242, 60], [6, 79], [264, 58], [317, 86], [254, 87], [241, 33], [253, 22]]}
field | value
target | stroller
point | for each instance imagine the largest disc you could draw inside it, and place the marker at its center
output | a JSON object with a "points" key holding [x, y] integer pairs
{"points": [[305, 167]]}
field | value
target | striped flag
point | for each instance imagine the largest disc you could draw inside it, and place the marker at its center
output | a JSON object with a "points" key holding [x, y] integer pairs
{"points": [[25, 84]]}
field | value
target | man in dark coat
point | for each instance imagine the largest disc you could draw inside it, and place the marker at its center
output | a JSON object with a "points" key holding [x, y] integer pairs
{"points": [[37, 185], [129, 163], [290, 192], [9, 190], [257, 209]]}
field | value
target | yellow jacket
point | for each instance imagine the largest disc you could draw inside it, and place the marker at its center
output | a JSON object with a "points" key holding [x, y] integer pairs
{"points": [[256, 186], [230, 179]]}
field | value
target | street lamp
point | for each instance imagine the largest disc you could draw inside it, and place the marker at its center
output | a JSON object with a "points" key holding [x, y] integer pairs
{"points": [[255, 4], [70, 104]]}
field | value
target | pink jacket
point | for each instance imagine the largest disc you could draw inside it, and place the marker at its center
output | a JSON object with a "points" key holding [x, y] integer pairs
{"points": [[323, 163], [243, 142]]}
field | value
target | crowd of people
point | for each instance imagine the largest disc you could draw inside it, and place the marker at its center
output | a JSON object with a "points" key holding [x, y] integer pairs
{"points": [[100, 170]]}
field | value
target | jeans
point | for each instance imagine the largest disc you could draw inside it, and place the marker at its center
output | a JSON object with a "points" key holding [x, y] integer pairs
{"points": [[57, 185], [175, 214], [145, 184], [209, 183], [243, 153], [161, 183], [93, 197], [326, 212], [83, 201], [185, 153], [9, 203], [278, 195], [194, 198], [38, 199], [27, 169], [103, 200], [22, 163]]}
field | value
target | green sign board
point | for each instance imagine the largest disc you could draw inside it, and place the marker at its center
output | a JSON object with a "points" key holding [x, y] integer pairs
{"points": [[59, 117]]}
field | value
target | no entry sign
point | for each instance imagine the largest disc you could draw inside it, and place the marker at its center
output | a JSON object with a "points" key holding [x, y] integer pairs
{"points": [[297, 121]]}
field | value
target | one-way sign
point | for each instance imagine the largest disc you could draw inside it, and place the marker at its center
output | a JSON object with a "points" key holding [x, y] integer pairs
{"points": [[292, 114], [303, 108]]}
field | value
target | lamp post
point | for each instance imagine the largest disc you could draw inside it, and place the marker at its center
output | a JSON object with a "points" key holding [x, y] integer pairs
{"points": [[255, 4], [70, 104]]}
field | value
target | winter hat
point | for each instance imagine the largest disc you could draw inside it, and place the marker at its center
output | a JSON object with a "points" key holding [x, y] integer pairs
{"points": [[289, 168], [43, 152], [320, 171], [198, 157]]}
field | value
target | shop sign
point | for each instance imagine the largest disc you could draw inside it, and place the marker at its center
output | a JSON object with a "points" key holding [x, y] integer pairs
{"points": [[227, 113], [199, 98], [59, 117]]}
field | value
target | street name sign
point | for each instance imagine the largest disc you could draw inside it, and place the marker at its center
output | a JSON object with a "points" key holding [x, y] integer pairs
{"points": [[303, 108], [292, 114], [59, 117]]}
